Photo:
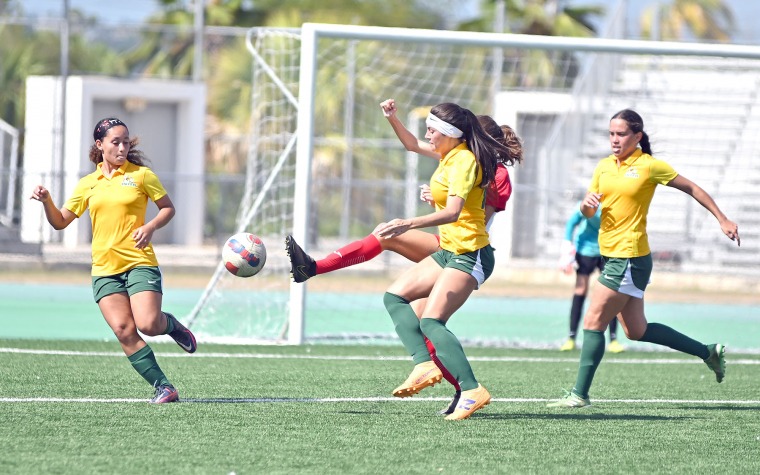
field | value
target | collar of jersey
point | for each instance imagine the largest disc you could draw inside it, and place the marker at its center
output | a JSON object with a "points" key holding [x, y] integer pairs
{"points": [[121, 170], [453, 151], [630, 158]]}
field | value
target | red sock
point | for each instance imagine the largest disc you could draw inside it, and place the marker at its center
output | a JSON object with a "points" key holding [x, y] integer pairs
{"points": [[446, 375], [350, 255]]}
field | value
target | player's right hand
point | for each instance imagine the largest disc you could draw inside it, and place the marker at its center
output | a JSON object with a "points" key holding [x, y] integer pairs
{"points": [[426, 195], [389, 107], [40, 193]]}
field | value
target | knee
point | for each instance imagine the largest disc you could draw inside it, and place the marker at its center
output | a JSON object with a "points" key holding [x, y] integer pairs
{"points": [[125, 333], [634, 334], [154, 326]]}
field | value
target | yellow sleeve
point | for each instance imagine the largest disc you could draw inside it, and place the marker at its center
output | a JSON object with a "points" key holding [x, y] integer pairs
{"points": [[661, 172], [153, 187], [594, 186], [78, 201]]}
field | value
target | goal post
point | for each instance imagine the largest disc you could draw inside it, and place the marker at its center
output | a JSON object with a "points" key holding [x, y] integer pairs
{"points": [[348, 172]]}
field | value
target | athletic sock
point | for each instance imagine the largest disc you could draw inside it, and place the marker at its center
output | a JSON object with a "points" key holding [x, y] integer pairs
{"points": [[169, 324], [613, 329], [144, 362], [350, 255], [592, 353], [446, 375], [666, 336], [407, 327], [449, 352], [575, 314]]}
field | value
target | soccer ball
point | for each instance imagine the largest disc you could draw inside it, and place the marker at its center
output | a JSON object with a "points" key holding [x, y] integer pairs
{"points": [[244, 254]]}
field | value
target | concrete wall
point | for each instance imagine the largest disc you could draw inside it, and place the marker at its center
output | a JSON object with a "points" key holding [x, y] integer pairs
{"points": [[167, 116]]}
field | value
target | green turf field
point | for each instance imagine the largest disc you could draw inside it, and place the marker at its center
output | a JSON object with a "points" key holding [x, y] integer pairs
{"points": [[79, 408], [71, 403]]}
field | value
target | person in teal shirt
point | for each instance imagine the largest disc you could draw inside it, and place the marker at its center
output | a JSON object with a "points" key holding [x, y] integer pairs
{"points": [[580, 251]]}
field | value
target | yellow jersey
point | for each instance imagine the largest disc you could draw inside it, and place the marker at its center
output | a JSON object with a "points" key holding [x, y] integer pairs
{"points": [[458, 174], [117, 207], [627, 192]]}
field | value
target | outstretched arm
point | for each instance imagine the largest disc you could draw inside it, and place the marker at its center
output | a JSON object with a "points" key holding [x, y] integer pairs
{"points": [[58, 218], [407, 138], [728, 227], [449, 214]]}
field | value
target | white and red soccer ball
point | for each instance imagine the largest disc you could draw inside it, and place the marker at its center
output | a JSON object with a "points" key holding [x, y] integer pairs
{"points": [[244, 254]]}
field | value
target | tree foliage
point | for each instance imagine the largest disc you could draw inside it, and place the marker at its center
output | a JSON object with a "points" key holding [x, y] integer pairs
{"points": [[676, 19]]}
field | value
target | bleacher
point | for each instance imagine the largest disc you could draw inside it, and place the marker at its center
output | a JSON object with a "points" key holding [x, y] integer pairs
{"points": [[703, 117]]}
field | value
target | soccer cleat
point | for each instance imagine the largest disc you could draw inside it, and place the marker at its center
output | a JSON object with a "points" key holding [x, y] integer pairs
{"points": [[615, 347], [717, 361], [165, 393], [452, 406], [302, 266], [568, 346], [423, 375], [571, 400], [184, 337], [469, 402]]}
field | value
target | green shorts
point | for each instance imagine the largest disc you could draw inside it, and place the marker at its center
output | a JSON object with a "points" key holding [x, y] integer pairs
{"points": [[132, 281], [628, 276], [478, 264]]}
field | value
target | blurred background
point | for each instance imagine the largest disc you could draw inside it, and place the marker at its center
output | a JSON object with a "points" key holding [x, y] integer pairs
{"points": [[206, 87]]}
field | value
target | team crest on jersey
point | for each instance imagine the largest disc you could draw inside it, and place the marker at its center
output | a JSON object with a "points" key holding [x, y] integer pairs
{"points": [[127, 181], [632, 173]]}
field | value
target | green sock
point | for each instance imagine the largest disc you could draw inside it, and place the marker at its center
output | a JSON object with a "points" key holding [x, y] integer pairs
{"points": [[169, 324], [144, 362], [450, 352], [592, 353], [407, 327], [666, 336]]}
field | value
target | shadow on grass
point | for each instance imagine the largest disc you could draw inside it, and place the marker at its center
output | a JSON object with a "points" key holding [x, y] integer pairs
{"points": [[579, 416], [721, 407]]}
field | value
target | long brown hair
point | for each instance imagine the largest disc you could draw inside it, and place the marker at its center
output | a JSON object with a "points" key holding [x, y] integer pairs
{"points": [[505, 135]]}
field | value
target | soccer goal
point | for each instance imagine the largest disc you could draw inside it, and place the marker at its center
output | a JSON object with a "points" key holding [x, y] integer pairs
{"points": [[325, 166]]}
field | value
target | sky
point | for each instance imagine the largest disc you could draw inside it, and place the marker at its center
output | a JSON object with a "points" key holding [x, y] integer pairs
{"points": [[136, 11]]}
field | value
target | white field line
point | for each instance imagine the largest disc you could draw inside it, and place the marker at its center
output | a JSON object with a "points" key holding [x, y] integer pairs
{"points": [[496, 359], [268, 400]]}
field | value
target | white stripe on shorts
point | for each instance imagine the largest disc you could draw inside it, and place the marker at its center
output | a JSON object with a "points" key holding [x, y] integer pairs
{"points": [[477, 272], [626, 285]]}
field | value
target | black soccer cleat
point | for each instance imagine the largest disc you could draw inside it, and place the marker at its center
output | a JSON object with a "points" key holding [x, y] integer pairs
{"points": [[181, 335], [302, 266]]}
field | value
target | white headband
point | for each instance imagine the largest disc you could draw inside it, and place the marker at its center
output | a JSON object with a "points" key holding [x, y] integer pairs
{"points": [[443, 127]]}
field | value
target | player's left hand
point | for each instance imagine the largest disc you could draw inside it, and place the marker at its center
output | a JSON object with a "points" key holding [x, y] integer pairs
{"points": [[142, 236], [731, 229]]}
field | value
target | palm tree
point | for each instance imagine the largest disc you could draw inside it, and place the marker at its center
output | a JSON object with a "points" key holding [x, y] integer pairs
{"points": [[702, 19], [539, 17]]}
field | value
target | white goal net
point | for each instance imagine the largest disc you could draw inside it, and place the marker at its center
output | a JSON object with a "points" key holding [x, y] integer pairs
{"points": [[325, 165]]}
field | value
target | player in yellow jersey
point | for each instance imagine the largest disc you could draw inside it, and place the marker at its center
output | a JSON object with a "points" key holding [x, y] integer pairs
{"points": [[126, 280], [465, 260], [414, 244], [623, 185]]}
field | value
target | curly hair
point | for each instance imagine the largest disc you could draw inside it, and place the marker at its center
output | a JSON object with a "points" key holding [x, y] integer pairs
{"points": [[101, 131]]}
